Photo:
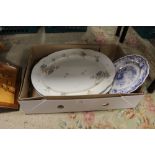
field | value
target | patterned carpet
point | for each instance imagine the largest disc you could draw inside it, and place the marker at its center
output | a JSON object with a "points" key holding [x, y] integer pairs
{"points": [[143, 116]]}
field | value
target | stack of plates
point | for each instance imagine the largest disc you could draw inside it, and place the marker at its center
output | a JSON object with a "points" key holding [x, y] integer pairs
{"points": [[73, 72], [85, 72]]}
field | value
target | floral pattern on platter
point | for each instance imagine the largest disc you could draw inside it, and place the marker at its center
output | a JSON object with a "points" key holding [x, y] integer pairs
{"points": [[47, 70], [100, 75]]}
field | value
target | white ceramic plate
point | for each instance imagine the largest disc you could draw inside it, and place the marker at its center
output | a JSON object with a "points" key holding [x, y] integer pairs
{"points": [[73, 72], [131, 72]]}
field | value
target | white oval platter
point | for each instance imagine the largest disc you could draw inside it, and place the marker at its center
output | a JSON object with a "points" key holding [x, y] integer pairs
{"points": [[73, 72]]}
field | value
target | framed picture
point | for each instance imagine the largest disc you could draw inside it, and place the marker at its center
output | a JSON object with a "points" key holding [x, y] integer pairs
{"points": [[9, 86]]}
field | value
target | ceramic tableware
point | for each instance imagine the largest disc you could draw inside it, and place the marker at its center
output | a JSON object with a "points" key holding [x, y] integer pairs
{"points": [[131, 72], [73, 72]]}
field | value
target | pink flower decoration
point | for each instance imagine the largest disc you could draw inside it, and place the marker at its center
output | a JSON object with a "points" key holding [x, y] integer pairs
{"points": [[148, 98], [152, 108], [89, 117], [133, 41], [100, 40], [150, 103]]}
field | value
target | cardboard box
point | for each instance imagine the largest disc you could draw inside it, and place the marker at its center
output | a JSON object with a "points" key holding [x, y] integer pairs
{"points": [[56, 104]]}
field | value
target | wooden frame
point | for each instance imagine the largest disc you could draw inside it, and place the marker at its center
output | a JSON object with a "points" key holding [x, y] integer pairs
{"points": [[15, 79]]}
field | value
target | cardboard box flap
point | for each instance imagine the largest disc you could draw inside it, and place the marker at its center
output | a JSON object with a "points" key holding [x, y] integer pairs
{"points": [[75, 105]]}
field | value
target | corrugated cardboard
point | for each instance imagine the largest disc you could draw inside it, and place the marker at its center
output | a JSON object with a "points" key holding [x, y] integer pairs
{"points": [[55, 104]]}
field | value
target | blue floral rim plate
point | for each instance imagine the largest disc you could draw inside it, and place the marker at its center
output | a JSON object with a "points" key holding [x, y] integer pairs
{"points": [[131, 73]]}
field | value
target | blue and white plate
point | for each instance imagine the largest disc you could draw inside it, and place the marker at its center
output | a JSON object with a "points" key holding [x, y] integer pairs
{"points": [[131, 72]]}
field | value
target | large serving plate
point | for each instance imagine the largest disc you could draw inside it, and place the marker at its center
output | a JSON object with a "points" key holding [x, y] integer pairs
{"points": [[73, 72], [131, 72]]}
